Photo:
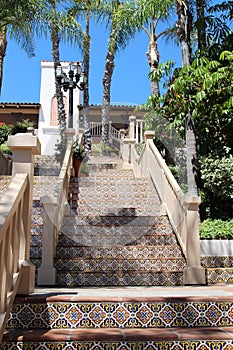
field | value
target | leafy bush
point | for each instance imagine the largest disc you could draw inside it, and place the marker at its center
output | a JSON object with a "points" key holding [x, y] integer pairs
{"points": [[217, 176], [216, 229], [217, 187], [21, 126], [5, 131], [101, 148], [5, 149]]}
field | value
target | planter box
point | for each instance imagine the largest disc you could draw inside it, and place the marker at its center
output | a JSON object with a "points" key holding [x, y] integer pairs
{"points": [[216, 247]]}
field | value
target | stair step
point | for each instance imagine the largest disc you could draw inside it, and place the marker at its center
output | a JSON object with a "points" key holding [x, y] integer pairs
{"points": [[155, 338], [219, 275], [119, 278], [101, 264], [72, 311], [118, 252]]}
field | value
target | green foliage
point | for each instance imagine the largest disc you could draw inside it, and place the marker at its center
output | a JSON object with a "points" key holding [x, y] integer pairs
{"points": [[78, 151], [216, 229], [205, 88], [60, 149], [217, 176], [217, 187], [22, 126], [139, 147], [101, 148], [5, 149], [5, 131]]}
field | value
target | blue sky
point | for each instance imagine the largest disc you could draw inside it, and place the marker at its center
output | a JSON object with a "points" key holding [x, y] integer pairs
{"points": [[130, 84]]}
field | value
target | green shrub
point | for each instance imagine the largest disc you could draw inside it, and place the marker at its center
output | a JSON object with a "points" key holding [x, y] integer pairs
{"points": [[21, 126], [5, 131], [217, 187], [216, 229], [5, 149]]}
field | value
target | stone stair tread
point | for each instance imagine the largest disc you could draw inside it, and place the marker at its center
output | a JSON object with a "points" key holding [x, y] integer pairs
{"points": [[133, 334], [184, 295]]}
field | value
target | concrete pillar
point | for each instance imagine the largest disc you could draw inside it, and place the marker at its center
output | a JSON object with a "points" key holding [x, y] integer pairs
{"points": [[194, 273], [132, 121], [24, 146], [149, 135]]}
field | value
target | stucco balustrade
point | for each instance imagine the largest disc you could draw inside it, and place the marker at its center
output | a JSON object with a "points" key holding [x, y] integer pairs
{"points": [[55, 205], [17, 274], [182, 210]]}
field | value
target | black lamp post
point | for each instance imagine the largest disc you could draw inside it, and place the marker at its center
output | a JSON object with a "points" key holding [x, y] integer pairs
{"points": [[74, 79]]}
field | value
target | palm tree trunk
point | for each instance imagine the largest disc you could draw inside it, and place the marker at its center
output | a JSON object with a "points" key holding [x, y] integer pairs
{"points": [[201, 31], [87, 132], [153, 61], [3, 46], [54, 36], [108, 73], [184, 26], [107, 80]]}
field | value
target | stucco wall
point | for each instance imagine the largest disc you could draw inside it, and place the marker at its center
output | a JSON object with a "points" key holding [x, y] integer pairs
{"points": [[47, 134]]}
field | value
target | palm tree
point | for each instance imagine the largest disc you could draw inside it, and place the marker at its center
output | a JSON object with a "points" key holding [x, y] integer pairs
{"points": [[149, 13], [120, 17], [184, 29], [16, 22], [60, 25], [54, 37], [86, 8]]}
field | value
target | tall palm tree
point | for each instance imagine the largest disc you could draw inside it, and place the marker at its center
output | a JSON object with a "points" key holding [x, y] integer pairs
{"points": [[55, 40], [149, 13], [85, 8], [184, 29], [122, 28], [16, 22], [56, 21]]}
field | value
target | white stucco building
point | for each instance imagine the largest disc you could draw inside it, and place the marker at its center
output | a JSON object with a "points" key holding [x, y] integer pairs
{"points": [[48, 129]]}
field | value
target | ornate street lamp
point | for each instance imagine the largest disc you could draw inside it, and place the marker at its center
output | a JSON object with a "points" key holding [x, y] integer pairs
{"points": [[74, 79]]}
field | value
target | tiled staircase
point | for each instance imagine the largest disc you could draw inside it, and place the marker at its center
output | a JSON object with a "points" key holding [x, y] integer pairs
{"points": [[117, 250], [115, 235]]}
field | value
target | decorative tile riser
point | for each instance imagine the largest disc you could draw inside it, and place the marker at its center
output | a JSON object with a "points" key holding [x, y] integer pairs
{"points": [[132, 226], [219, 275], [119, 278], [217, 261], [101, 265], [148, 243], [124, 315], [68, 250], [90, 209], [124, 240], [123, 217], [122, 345]]}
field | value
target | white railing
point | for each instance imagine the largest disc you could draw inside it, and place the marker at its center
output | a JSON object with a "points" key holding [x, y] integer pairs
{"points": [[182, 210], [55, 205], [96, 130]]}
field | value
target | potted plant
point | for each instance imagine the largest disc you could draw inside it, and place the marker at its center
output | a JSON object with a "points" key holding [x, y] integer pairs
{"points": [[78, 156]]}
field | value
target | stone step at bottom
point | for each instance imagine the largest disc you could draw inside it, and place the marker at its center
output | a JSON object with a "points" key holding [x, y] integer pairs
{"points": [[105, 339], [123, 308]]}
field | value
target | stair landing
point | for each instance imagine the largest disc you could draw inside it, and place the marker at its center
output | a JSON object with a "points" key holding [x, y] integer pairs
{"points": [[145, 318]]}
